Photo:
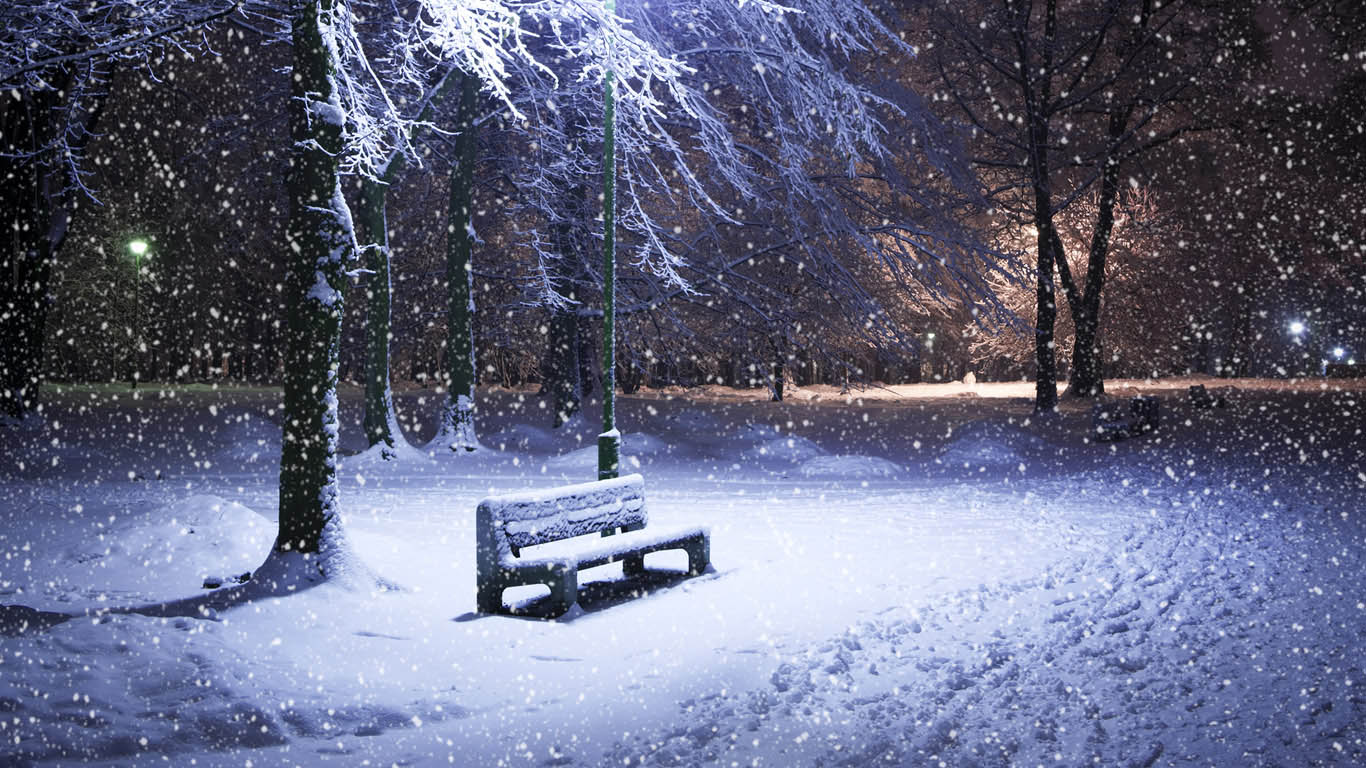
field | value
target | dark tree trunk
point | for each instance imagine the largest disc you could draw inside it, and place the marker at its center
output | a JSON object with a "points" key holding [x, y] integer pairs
{"points": [[1046, 303], [35, 211], [381, 423], [630, 375], [457, 421], [321, 241], [562, 370], [1088, 372], [587, 354], [1049, 252]]}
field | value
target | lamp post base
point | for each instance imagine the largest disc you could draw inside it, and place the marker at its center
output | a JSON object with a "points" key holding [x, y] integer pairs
{"points": [[609, 454]]}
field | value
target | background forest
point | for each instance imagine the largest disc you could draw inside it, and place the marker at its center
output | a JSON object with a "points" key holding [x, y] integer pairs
{"points": [[873, 222]]}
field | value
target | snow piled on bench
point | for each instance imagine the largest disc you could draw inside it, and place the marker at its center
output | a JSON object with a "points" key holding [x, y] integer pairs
{"points": [[535, 517]]}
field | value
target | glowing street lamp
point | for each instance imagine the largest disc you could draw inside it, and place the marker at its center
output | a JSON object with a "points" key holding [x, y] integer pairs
{"points": [[1338, 352], [609, 442], [137, 247], [1296, 328]]}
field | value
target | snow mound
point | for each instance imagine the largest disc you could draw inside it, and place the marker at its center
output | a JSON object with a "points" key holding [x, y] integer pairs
{"points": [[175, 548], [990, 444], [373, 458], [790, 448], [849, 467], [523, 438]]}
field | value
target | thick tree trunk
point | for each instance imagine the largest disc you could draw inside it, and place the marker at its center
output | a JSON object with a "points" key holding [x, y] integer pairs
{"points": [[457, 431], [381, 422], [34, 214], [321, 241]]}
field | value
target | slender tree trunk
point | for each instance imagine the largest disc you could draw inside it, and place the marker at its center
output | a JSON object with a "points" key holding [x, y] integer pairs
{"points": [[321, 241], [1048, 243], [1088, 373], [1046, 300], [381, 422], [587, 355], [562, 373], [1045, 355], [457, 420]]}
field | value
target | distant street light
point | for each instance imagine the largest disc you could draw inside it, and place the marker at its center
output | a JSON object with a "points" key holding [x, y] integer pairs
{"points": [[137, 247], [1338, 352], [1296, 327]]}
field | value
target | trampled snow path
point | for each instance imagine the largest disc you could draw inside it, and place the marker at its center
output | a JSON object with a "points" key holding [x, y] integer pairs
{"points": [[1003, 613]]}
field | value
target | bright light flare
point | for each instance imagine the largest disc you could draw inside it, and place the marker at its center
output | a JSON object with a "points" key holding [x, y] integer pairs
{"points": [[137, 247], [1296, 327]]}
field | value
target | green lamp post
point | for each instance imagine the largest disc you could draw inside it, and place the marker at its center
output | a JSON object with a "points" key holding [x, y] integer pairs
{"points": [[609, 442], [137, 247]]}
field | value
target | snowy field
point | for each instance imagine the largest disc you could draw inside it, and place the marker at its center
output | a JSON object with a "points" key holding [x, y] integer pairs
{"points": [[913, 576]]}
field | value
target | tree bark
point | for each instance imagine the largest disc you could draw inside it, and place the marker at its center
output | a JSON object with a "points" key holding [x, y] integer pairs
{"points": [[563, 370], [321, 241], [457, 431], [1088, 371], [381, 422], [1046, 362], [35, 213]]}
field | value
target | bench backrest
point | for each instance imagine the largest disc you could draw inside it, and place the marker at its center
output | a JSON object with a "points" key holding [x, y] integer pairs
{"points": [[512, 521]]}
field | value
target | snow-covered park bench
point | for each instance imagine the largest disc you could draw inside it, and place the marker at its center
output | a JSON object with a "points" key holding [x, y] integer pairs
{"points": [[1110, 422], [611, 512]]}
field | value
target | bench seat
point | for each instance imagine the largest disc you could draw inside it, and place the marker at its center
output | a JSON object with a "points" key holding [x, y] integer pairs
{"points": [[590, 552]]}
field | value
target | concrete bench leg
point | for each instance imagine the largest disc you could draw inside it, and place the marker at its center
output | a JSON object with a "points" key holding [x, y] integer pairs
{"points": [[564, 589], [699, 555], [489, 598], [633, 565]]}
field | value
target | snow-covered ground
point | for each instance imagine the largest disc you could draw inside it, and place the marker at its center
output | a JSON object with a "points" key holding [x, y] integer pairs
{"points": [[921, 575]]}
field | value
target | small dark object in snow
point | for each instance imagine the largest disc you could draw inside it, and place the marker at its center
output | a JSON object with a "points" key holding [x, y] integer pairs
{"points": [[1200, 396], [1110, 423], [214, 582]]}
